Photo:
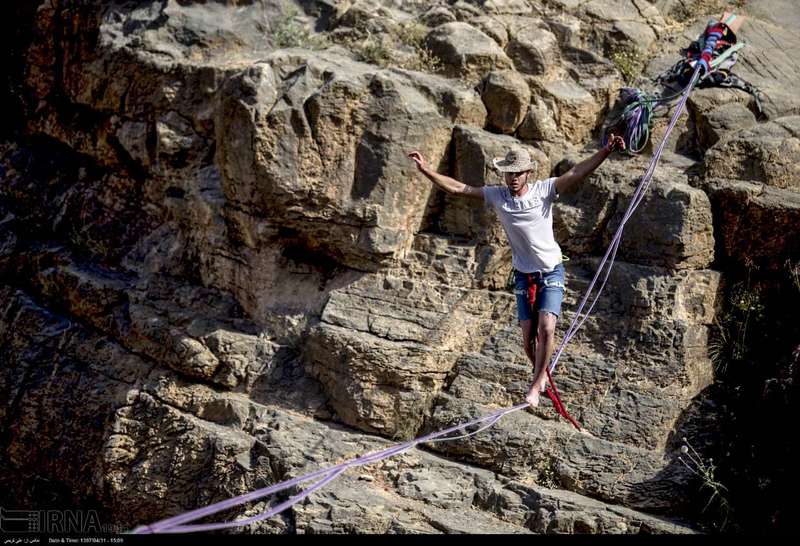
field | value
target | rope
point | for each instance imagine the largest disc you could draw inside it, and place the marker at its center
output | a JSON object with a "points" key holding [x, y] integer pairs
{"points": [[633, 118], [633, 121], [552, 392], [611, 252], [175, 524]]}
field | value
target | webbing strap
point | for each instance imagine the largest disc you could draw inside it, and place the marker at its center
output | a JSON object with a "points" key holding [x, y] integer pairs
{"points": [[552, 392], [725, 54], [531, 292]]}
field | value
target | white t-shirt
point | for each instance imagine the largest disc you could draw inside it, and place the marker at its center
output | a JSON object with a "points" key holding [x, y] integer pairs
{"points": [[528, 223]]}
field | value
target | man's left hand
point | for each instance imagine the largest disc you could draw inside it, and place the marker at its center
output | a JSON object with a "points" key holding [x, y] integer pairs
{"points": [[615, 143]]}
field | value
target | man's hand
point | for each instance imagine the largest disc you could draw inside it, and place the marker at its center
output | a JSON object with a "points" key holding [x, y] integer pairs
{"points": [[615, 143], [579, 172], [418, 159], [450, 185]]}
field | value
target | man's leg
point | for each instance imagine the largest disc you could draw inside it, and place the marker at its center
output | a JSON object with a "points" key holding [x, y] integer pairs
{"points": [[545, 345], [527, 339], [525, 315]]}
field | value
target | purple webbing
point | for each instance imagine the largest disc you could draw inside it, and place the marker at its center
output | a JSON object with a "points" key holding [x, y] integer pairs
{"points": [[174, 524], [638, 195], [259, 517]]}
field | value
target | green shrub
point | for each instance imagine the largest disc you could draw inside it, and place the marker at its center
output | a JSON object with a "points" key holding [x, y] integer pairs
{"points": [[794, 273], [84, 240], [718, 493], [381, 50], [629, 62], [374, 50], [289, 30], [730, 337]]}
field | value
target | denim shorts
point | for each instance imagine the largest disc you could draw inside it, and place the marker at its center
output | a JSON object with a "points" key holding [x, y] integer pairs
{"points": [[549, 292]]}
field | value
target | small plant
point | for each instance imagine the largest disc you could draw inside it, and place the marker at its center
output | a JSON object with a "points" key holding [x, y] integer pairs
{"points": [[692, 460], [413, 34], [83, 239], [288, 30], [719, 344], [374, 50], [746, 306], [424, 61], [794, 273], [380, 50], [630, 64], [547, 478], [729, 340]]}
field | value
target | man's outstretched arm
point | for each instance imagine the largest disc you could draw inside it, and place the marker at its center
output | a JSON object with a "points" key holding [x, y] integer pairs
{"points": [[579, 172], [450, 185]]}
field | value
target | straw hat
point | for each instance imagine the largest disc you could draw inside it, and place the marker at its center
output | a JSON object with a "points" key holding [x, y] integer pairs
{"points": [[517, 160]]}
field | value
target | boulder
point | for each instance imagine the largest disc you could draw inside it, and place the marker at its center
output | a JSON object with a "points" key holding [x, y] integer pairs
{"points": [[438, 15], [632, 22], [369, 17], [504, 7], [506, 95], [755, 224], [533, 49], [386, 345], [465, 51], [580, 216], [716, 119], [574, 110], [491, 27], [147, 322], [339, 143], [539, 122], [768, 153], [672, 227]]}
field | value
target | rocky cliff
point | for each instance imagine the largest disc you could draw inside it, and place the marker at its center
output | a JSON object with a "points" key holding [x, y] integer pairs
{"points": [[219, 270]]}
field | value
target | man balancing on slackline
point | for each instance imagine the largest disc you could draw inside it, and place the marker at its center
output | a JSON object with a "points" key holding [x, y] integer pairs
{"points": [[525, 210]]}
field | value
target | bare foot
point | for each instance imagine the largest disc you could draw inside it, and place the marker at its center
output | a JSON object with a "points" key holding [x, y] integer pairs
{"points": [[533, 397], [539, 387]]}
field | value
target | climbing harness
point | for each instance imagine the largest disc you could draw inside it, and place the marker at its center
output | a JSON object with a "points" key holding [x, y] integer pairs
{"points": [[714, 52], [180, 523]]}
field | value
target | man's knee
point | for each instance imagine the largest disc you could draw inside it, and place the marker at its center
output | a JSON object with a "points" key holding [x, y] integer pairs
{"points": [[547, 327]]}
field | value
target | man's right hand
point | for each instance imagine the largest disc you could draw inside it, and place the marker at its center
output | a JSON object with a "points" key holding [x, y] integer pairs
{"points": [[615, 143], [418, 159]]}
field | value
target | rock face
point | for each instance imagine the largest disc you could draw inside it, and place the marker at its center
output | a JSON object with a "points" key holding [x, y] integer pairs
{"points": [[766, 153], [219, 269]]}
